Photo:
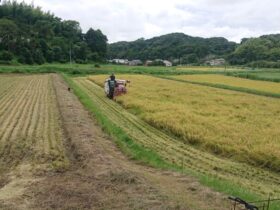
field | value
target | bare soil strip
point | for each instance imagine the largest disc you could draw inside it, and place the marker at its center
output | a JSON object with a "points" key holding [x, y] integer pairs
{"points": [[101, 177], [260, 181]]}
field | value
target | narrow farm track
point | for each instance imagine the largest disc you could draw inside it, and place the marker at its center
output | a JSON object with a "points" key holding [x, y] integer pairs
{"points": [[257, 180]]}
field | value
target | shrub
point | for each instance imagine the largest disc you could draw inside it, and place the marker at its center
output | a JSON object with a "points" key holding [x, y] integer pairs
{"points": [[76, 72], [6, 56], [81, 61]]}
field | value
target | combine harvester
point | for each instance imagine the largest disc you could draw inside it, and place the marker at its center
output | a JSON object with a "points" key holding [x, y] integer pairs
{"points": [[120, 88]]}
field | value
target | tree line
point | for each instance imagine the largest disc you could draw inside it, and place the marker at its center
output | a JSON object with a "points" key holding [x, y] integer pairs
{"points": [[29, 35]]}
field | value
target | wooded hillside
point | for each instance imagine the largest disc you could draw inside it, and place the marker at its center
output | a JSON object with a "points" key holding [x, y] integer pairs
{"points": [[29, 35], [172, 46], [263, 51]]}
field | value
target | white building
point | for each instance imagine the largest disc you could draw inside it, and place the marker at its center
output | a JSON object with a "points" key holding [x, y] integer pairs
{"points": [[120, 61], [216, 62], [167, 63], [148, 62], [135, 63]]}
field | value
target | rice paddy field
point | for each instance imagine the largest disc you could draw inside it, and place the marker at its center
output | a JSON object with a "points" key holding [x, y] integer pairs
{"points": [[236, 125], [220, 136], [29, 125], [157, 109], [264, 86]]}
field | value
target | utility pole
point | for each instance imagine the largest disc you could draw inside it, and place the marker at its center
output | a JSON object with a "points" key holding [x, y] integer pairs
{"points": [[70, 54]]}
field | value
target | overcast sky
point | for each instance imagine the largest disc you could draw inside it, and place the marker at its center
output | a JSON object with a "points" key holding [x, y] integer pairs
{"points": [[127, 20]]}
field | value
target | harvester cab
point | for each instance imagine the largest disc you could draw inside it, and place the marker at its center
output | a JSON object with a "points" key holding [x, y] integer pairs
{"points": [[120, 89]]}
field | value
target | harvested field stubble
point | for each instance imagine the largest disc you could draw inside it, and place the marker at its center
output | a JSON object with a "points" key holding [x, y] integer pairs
{"points": [[173, 151], [29, 123]]}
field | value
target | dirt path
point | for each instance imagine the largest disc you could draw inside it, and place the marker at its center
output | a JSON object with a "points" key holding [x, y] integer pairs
{"points": [[101, 177]]}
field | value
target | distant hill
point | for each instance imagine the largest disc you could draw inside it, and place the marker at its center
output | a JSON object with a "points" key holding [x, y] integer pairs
{"points": [[263, 51], [172, 46]]}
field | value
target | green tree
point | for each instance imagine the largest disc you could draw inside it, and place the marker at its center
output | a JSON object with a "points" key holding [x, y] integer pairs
{"points": [[44, 29], [49, 56], [57, 53], [97, 42], [81, 51], [38, 57], [6, 56], [190, 59], [26, 56], [71, 29], [8, 32]]}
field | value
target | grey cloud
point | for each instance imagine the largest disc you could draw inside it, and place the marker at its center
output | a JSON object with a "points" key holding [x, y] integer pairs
{"points": [[129, 20]]}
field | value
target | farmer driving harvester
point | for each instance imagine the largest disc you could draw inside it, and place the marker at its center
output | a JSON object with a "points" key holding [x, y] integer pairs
{"points": [[115, 87], [112, 85]]}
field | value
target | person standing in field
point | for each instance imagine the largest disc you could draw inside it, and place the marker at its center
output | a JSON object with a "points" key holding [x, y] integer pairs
{"points": [[112, 84]]}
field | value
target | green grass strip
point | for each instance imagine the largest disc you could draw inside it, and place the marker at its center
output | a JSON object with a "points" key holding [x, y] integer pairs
{"points": [[226, 87], [84, 69], [149, 157], [256, 77]]}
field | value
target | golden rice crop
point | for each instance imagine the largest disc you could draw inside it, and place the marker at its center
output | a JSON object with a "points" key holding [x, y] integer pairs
{"points": [[233, 124], [258, 180], [265, 86]]}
